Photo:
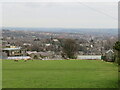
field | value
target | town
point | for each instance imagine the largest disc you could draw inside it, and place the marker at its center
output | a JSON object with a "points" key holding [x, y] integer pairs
{"points": [[40, 45]]}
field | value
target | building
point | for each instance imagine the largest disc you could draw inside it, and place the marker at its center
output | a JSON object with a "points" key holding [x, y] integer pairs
{"points": [[109, 55], [19, 58], [40, 55], [89, 57], [14, 51]]}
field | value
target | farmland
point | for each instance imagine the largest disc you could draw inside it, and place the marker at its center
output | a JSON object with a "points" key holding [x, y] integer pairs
{"points": [[59, 74]]}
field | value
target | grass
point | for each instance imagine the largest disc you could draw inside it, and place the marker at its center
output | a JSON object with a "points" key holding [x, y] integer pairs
{"points": [[59, 74]]}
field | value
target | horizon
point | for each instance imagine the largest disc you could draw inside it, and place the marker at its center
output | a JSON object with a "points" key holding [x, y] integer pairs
{"points": [[60, 28], [105, 31]]}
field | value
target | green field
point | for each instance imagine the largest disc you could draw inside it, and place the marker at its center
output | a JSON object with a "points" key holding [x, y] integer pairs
{"points": [[59, 74]]}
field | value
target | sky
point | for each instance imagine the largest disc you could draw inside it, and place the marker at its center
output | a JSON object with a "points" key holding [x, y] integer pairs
{"points": [[60, 14]]}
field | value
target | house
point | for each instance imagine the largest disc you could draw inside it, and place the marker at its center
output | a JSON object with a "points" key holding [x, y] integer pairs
{"points": [[27, 44], [55, 40], [40, 55], [33, 54], [46, 55], [109, 55]]}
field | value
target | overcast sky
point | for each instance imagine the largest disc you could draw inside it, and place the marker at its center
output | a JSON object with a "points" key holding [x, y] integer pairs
{"points": [[59, 14]]}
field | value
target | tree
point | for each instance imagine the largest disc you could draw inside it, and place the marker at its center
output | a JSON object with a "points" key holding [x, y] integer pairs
{"points": [[69, 49], [117, 48]]}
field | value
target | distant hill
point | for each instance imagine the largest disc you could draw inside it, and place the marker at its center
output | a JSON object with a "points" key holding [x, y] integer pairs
{"points": [[110, 31]]}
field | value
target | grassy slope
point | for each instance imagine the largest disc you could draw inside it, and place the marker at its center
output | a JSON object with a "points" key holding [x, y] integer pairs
{"points": [[59, 74], [0, 74]]}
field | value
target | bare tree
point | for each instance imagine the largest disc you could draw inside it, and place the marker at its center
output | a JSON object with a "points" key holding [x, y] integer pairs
{"points": [[69, 49]]}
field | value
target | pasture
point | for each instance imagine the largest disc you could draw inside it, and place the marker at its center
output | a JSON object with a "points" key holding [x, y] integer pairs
{"points": [[59, 74]]}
